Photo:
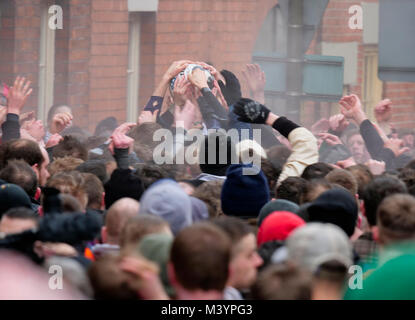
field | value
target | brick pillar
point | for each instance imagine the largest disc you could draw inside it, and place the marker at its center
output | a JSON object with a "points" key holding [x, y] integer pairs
{"points": [[108, 60]]}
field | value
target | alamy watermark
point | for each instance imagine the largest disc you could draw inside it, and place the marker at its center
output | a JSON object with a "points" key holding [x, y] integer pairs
{"points": [[56, 280]]}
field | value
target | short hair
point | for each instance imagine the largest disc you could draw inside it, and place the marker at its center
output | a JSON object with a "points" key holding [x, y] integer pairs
{"points": [[209, 192], [96, 167], [110, 282], [234, 227], [200, 255], [271, 172], [20, 173], [343, 178], [143, 152], [70, 203], [71, 182], [66, 163], [137, 227], [291, 189], [70, 146], [76, 132], [314, 188], [150, 173], [278, 155], [407, 175], [378, 189], [21, 149], [143, 134], [94, 189], [396, 218], [21, 213], [316, 171], [362, 175], [282, 282]]}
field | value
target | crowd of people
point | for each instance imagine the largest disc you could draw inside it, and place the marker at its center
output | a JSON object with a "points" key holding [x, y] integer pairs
{"points": [[325, 213]]}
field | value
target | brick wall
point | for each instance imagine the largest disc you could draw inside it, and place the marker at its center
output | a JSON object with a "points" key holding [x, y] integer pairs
{"points": [[91, 56]]}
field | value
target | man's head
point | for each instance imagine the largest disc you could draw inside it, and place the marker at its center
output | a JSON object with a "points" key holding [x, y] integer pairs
{"points": [[209, 192], [71, 182], [283, 282], [316, 171], [143, 134], [357, 147], [343, 178], [314, 189], [167, 200], [336, 206], [243, 195], [378, 189], [66, 163], [20, 173], [30, 152], [139, 226], [95, 191], [199, 259], [244, 257], [116, 217], [291, 189], [396, 219], [362, 175], [17, 220], [13, 196], [70, 146]]}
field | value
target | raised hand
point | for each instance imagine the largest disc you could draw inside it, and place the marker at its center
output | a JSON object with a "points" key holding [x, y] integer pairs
{"points": [[376, 167], [383, 111], [119, 138], [351, 108], [338, 123], [60, 121], [180, 91], [396, 145], [251, 111], [175, 68], [54, 140], [331, 139], [346, 163], [198, 78], [18, 95], [320, 126], [26, 116], [255, 78]]}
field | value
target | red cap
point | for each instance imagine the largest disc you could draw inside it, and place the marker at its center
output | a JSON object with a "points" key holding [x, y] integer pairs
{"points": [[278, 226]]}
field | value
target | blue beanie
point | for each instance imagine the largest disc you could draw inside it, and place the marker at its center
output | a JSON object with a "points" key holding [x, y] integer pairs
{"points": [[242, 195]]}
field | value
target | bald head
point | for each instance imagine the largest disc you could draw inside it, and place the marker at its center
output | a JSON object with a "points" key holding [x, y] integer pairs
{"points": [[116, 217]]}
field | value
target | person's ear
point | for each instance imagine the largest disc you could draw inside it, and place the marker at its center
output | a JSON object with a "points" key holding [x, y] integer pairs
{"points": [[375, 234], [104, 235], [103, 201], [362, 208], [36, 169]]}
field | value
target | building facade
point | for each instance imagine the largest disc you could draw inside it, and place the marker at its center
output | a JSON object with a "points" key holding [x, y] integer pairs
{"points": [[109, 54]]}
